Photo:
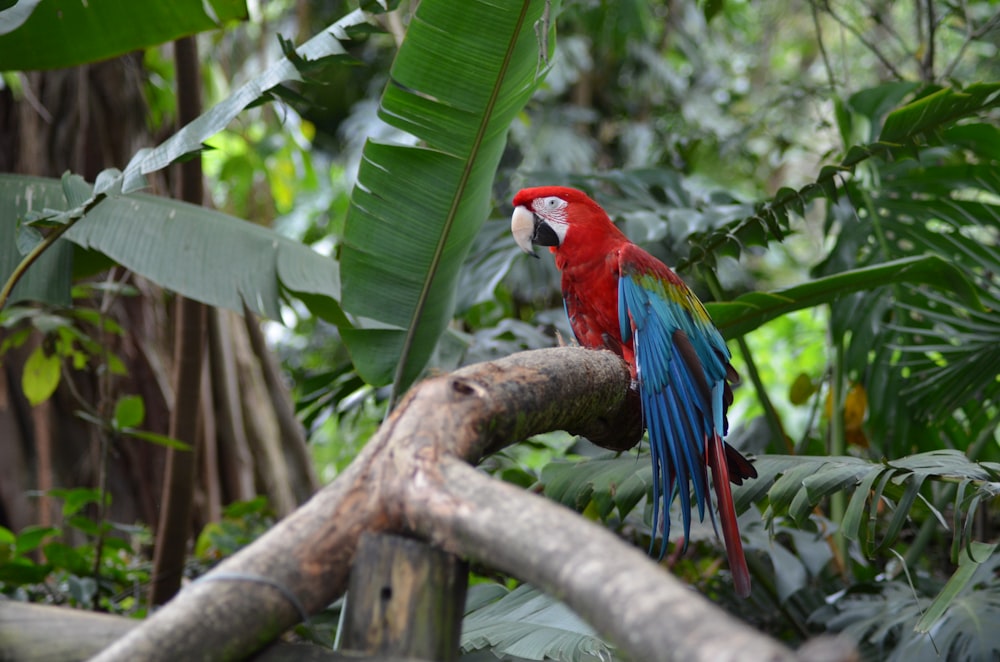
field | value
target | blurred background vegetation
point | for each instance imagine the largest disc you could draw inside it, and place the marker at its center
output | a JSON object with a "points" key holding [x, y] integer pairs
{"points": [[747, 144]]}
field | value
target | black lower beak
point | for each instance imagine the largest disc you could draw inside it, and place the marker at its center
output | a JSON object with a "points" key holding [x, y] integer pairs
{"points": [[543, 234], [530, 230]]}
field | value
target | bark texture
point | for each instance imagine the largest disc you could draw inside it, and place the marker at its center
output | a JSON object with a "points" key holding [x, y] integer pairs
{"points": [[26, 635], [412, 477], [191, 320]]}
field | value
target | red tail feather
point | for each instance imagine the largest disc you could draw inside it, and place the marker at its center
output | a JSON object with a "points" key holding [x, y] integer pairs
{"points": [[727, 514]]}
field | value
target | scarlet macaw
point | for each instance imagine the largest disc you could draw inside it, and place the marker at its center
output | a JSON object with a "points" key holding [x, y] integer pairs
{"points": [[621, 298]]}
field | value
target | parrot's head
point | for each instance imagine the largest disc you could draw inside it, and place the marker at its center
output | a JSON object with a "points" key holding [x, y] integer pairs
{"points": [[557, 216]]}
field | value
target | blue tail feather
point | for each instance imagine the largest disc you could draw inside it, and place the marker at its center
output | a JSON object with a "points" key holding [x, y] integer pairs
{"points": [[678, 413]]}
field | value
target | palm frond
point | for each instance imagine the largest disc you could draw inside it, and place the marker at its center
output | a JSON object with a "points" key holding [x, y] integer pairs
{"points": [[893, 621], [904, 127], [793, 486], [924, 357], [527, 624], [796, 484]]}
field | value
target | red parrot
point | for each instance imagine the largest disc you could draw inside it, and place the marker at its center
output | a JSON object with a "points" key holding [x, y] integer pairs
{"points": [[621, 298]]}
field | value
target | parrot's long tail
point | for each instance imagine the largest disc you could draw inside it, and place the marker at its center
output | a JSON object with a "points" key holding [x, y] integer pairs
{"points": [[718, 461]]}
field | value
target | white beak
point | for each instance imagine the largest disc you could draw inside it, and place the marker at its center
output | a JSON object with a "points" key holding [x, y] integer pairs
{"points": [[522, 226]]}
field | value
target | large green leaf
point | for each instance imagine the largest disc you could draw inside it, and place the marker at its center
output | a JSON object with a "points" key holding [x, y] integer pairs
{"points": [[968, 565], [528, 624], [200, 253], [458, 81], [749, 311], [65, 33], [49, 278], [608, 482], [943, 106]]}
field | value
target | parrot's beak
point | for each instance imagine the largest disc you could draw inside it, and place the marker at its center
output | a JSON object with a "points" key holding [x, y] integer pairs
{"points": [[522, 226]]}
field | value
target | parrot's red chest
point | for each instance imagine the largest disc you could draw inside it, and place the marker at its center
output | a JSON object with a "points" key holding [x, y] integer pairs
{"points": [[590, 290]]}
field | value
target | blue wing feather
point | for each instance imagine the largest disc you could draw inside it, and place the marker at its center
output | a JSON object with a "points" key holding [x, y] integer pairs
{"points": [[678, 413]]}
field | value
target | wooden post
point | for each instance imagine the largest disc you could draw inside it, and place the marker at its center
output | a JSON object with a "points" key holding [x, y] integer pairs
{"points": [[405, 598]]}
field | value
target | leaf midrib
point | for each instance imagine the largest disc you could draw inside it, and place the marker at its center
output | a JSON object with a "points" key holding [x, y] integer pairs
{"points": [[418, 309]]}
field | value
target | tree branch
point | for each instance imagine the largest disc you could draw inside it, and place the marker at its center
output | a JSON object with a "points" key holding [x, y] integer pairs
{"points": [[610, 584], [869, 44], [26, 635], [409, 477]]}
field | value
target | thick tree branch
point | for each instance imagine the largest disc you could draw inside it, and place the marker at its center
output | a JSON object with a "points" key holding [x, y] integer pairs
{"points": [[612, 585], [26, 635], [409, 477]]}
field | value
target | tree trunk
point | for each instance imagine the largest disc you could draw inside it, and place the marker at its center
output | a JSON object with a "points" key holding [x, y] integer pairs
{"points": [[84, 120], [191, 318]]}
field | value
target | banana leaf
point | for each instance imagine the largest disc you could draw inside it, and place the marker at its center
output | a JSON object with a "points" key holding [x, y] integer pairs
{"points": [[457, 83]]}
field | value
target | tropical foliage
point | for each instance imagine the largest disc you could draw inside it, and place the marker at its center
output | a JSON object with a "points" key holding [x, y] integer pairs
{"points": [[826, 175]]}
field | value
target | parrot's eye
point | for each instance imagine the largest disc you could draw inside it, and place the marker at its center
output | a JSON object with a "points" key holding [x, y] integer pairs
{"points": [[552, 203]]}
